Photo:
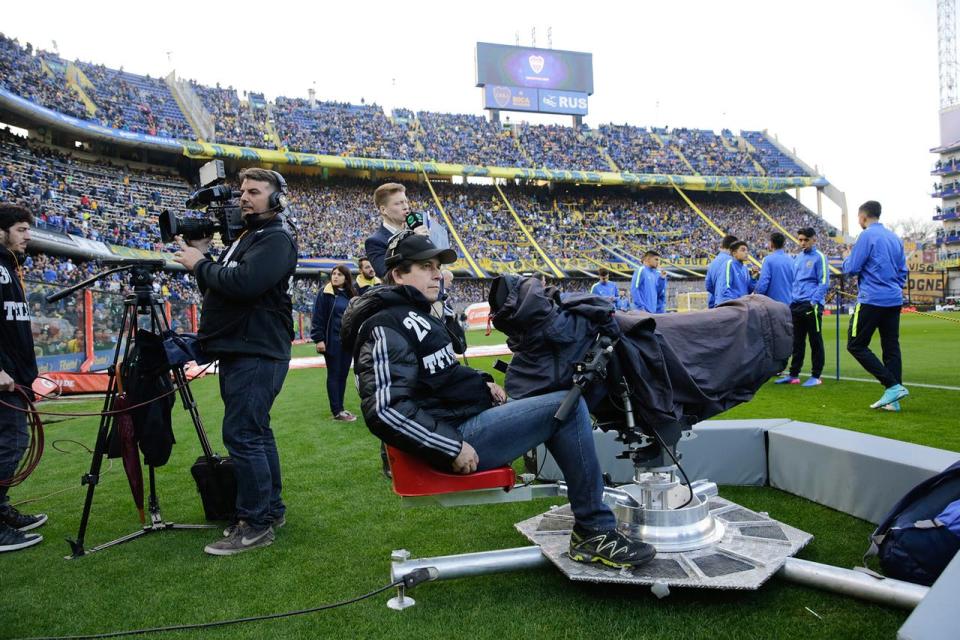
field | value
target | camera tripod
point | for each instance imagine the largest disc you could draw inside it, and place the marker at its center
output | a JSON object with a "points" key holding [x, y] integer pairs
{"points": [[142, 302]]}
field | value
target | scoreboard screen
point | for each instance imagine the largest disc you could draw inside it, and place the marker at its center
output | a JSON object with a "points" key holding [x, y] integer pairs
{"points": [[533, 68]]}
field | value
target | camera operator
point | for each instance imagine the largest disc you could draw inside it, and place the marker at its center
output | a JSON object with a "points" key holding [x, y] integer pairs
{"points": [[18, 366], [416, 396], [246, 323]]}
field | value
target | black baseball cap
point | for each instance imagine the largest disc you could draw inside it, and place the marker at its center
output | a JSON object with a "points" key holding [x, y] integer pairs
{"points": [[407, 245]]}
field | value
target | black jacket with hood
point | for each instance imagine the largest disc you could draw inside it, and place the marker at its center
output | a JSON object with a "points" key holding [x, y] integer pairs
{"points": [[413, 391], [246, 294]]}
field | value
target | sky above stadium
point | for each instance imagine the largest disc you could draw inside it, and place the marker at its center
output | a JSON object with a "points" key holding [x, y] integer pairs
{"points": [[852, 85]]}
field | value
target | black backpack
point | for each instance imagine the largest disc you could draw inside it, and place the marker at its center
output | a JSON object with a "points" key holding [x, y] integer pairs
{"points": [[921, 534]]}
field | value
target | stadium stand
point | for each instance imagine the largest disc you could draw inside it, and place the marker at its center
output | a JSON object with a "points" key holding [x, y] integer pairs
{"points": [[340, 129], [236, 123], [37, 76], [467, 139], [558, 147]]}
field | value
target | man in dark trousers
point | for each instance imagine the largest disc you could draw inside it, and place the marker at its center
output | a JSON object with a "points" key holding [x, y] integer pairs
{"points": [[247, 324], [811, 280], [417, 397], [18, 366], [878, 261]]}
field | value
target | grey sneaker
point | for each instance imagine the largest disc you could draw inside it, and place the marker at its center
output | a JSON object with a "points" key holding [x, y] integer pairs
{"points": [[243, 537], [276, 523], [12, 539]]}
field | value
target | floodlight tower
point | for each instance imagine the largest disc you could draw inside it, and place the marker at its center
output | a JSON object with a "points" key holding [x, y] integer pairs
{"points": [[947, 39], [947, 171]]}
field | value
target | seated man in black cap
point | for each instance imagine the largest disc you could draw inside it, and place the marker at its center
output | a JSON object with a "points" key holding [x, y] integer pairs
{"points": [[416, 396]]}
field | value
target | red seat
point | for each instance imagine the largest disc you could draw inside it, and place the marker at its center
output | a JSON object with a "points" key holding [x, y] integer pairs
{"points": [[413, 477]]}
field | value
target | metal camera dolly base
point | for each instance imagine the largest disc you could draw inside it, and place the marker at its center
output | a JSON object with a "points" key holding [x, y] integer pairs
{"points": [[752, 548]]}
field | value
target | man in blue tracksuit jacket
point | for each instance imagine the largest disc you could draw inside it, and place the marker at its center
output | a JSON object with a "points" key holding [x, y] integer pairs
{"points": [[878, 260], [648, 288], [776, 272], [811, 279], [736, 280], [604, 287], [717, 267]]}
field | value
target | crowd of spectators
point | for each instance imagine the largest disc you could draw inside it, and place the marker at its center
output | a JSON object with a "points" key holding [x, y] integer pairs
{"points": [[637, 150], [136, 103], [339, 129], [143, 104], [22, 73], [100, 202], [236, 123], [467, 139], [554, 146], [713, 155]]}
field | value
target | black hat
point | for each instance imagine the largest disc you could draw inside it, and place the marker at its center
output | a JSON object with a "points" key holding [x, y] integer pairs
{"points": [[407, 245]]}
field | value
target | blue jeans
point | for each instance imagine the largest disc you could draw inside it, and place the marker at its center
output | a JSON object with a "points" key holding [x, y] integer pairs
{"points": [[248, 386], [502, 434], [338, 368], [14, 438]]}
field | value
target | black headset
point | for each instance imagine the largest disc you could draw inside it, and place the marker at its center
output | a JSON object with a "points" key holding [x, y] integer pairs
{"points": [[278, 199]]}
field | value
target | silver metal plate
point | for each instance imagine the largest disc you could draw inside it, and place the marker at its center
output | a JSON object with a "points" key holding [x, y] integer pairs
{"points": [[753, 548]]}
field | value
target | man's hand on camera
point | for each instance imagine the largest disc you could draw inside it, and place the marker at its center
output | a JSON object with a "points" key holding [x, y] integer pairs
{"points": [[422, 230], [187, 256], [497, 394], [467, 461], [6, 382], [321, 347], [201, 244]]}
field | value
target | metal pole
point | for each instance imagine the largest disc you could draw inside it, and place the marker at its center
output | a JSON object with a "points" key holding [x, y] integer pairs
{"points": [[888, 591], [846, 582], [839, 302], [474, 564]]}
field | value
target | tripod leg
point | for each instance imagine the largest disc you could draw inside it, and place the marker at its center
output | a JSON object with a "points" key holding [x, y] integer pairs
{"points": [[92, 478]]}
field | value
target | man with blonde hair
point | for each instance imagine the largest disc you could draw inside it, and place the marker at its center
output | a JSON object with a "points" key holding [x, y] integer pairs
{"points": [[396, 214]]}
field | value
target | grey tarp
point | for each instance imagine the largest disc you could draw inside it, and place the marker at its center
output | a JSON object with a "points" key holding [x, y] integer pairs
{"points": [[680, 367]]}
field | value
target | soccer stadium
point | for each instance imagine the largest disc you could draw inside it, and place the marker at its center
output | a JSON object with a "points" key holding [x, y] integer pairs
{"points": [[672, 276]]}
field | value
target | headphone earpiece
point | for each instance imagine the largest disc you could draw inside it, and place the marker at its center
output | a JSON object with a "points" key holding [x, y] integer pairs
{"points": [[278, 199]]}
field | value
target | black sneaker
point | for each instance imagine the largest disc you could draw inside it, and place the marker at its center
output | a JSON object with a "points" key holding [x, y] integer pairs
{"points": [[611, 548], [21, 522], [243, 537], [276, 523], [12, 539]]}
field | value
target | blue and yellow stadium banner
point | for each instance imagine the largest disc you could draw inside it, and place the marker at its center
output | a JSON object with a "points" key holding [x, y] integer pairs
{"points": [[208, 151]]}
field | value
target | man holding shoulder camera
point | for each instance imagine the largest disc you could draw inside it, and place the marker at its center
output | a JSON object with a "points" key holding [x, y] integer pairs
{"points": [[247, 324]]}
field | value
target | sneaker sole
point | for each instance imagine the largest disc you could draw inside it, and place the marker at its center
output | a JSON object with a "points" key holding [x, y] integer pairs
{"points": [[214, 551], [39, 523], [34, 539], [586, 556]]}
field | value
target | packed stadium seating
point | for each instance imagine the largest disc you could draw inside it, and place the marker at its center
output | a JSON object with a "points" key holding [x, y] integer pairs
{"points": [[142, 104], [95, 201], [468, 138], [236, 123]]}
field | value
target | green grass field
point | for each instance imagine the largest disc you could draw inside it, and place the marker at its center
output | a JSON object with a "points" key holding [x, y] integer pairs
{"points": [[343, 521]]}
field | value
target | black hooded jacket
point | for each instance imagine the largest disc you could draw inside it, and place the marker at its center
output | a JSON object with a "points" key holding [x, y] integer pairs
{"points": [[413, 390], [246, 294], [16, 338]]}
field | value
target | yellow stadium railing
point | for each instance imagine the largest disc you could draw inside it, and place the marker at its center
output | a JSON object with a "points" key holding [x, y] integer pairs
{"points": [[526, 232], [776, 224], [704, 216], [477, 271]]}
